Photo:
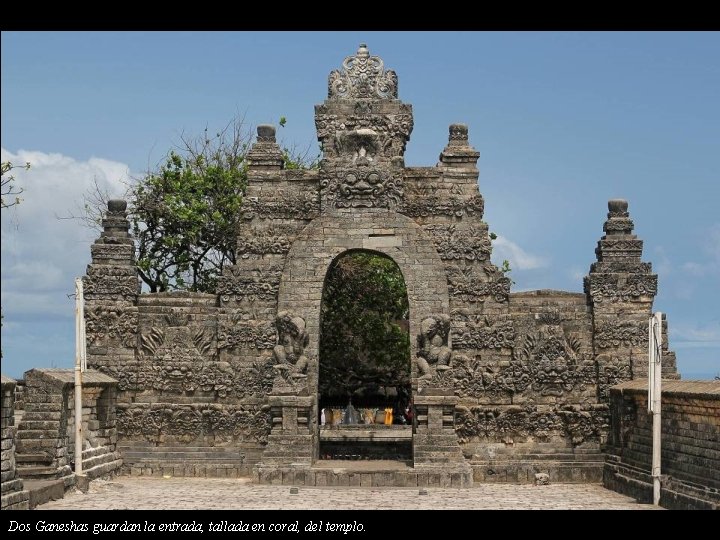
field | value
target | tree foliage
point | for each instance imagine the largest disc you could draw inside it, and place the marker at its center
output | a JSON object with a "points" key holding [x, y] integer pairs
{"points": [[364, 339], [185, 215]]}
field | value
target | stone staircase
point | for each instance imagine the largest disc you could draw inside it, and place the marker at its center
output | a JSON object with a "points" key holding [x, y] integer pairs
{"points": [[141, 458]]}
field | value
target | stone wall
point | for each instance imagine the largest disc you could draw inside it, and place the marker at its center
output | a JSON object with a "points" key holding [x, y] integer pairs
{"points": [[690, 451], [14, 496], [46, 434], [511, 384]]}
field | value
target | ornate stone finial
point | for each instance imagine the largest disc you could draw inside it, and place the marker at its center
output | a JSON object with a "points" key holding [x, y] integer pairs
{"points": [[458, 152], [362, 77], [617, 208], [266, 133], [458, 134], [618, 221], [117, 205]]}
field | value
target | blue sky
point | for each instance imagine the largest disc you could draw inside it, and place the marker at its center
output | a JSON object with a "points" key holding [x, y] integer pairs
{"points": [[564, 121]]}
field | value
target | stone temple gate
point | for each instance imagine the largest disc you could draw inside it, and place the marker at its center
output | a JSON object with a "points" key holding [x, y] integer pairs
{"points": [[505, 384]]}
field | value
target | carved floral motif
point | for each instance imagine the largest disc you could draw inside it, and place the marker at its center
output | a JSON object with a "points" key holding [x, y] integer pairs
{"points": [[472, 331], [619, 333], [305, 205], [111, 283], [468, 285], [514, 423], [186, 423], [606, 287], [454, 242], [111, 325], [241, 282]]}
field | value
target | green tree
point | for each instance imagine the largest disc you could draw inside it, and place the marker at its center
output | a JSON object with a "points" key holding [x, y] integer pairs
{"points": [[185, 213], [364, 330]]}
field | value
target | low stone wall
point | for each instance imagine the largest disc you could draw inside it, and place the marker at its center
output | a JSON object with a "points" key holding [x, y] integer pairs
{"points": [[690, 444], [45, 438], [14, 496]]}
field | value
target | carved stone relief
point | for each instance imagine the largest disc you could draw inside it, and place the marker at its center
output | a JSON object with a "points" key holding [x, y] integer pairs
{"points": [[111, 282], [606, 287], [578, 424], [167, 423], [362, 187], [472, 331], [245, 282], [111, 325], [468, 284], [457, 243]]}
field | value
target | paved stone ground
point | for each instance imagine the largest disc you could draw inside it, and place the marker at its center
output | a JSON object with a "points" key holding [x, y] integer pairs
{"points": [[133, 493]]}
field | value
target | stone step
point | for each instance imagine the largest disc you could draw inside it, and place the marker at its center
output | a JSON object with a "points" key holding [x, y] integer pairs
{"points": [[100, 459], [36, 472], [97, 451], [42, 491], [103, 469], [33, 457], [12, 485]]}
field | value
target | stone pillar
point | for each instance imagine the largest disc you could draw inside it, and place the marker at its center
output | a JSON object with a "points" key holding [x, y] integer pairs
{"points": [[111, 289], [14, 496], [621, 289], [436, 450]]}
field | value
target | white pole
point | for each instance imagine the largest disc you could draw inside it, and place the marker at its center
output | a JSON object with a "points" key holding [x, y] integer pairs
{"points": [[655, 398], [79, 347]]}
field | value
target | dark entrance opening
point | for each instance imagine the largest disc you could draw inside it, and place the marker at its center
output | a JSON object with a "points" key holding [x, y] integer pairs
{"points": [[364, 388]]}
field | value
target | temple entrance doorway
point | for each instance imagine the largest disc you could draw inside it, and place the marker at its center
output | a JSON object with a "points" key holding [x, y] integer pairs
{"points": [[364, 382]]}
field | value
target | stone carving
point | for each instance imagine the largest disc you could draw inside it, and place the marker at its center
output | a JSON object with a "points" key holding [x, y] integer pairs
{"points": [[434, 205], [290, 362], [112, 252], [389, 131], [362, 76], [619, 333], [176, 354], [551, 361], [611, 371], [621, 244], [111, 283], [274, 239], [606, 288], [304, 205], [362, 187], [472, 331], [111, 325], [255, 380], [619, 226], [242, 282], [454, 243], [516, 423], [165, 423], [465, 283], [433, 353], [243, 330]]}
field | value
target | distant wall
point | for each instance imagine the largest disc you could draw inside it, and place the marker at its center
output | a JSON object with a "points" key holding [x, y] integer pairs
{"points": [[690, 444]]}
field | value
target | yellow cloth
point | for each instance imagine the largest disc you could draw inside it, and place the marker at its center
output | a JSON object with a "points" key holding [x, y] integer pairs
{"points": [[388, 417]]}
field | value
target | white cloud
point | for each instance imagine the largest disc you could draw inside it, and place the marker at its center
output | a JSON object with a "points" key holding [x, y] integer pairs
{"points": [[518, 257], [41, 255], [695, 335], [711, 248]]}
